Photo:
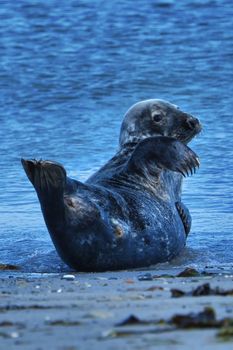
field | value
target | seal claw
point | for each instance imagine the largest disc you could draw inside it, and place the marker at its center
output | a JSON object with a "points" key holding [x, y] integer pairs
{"points": [[153, 154], [197, 161], [185, 216]]}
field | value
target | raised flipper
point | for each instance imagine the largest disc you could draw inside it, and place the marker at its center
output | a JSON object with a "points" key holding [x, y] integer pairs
{"points": [[185, 216], [46, 176], [49, 180], [156, 153]]}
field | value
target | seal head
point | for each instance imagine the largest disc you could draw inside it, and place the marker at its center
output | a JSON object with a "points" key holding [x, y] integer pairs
{"points": [[157, 118]]}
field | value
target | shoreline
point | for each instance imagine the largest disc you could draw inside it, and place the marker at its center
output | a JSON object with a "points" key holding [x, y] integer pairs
{"points": [[111, 310]]}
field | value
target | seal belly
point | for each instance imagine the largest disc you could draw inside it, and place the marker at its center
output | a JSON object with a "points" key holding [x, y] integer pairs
{"points": [[147, 233], [157, 233]]}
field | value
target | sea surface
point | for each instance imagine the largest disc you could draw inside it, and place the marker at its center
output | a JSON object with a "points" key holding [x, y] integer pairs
{"points": [[69, 70]]}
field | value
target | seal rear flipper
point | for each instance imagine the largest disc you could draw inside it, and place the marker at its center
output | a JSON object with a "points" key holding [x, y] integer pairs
{"points": [[46, 176], [185, 216], [49, 179], [156, 153]]}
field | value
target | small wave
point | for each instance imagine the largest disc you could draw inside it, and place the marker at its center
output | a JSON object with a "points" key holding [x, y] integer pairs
{"points": [[48, 262]]}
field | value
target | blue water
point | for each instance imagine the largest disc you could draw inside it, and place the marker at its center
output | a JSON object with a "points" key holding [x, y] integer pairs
{"points": [[69, 70]]}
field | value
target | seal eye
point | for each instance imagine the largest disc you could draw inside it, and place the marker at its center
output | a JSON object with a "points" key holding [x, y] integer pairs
{"points": [[157, 117]]}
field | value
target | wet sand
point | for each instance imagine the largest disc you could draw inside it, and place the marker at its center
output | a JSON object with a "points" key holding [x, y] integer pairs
{"points": [[114, 310]]}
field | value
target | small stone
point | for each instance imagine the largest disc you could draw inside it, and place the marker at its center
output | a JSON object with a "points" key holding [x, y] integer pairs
{"points": [[68, 277], [110, 333], [87, 285], [177, 293], [129, 281], [14, 335], [145, 277]]}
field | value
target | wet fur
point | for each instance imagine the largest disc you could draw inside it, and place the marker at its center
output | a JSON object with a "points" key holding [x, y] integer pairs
{"points": [[126, 215]]}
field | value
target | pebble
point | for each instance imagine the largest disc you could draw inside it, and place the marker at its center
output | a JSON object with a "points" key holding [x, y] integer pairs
{"points": [[14, 335], [145, 277], [68, 277], [87, 285]]}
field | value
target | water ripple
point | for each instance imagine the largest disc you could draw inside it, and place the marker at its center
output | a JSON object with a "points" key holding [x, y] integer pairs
{"points": [[69, 71]]}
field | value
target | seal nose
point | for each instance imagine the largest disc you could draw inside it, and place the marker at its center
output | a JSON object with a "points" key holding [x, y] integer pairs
{"points": [[192, 123]]}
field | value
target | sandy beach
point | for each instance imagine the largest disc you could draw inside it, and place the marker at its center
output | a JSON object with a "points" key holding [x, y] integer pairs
{"points": [[144, 309]]}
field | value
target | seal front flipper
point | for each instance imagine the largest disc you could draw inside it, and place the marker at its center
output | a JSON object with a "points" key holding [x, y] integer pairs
{"points": [[185, 216], [156, 153]]}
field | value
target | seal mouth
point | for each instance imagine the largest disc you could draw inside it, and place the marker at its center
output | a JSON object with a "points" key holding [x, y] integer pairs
{"points": [[190, 128]]}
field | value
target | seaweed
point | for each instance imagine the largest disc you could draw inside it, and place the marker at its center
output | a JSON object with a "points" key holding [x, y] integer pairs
{"points": [[226, 333], [4, 267], [153, 288], [131, 320], [189, 272], [201, 290], [203, 319]]}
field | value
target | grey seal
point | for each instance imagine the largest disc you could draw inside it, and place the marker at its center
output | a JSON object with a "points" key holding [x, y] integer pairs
{"points": [[128, 214]]}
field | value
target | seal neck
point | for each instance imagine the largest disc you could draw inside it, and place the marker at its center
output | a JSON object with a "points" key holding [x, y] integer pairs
{"points": [[130, 145], [127, 148]]}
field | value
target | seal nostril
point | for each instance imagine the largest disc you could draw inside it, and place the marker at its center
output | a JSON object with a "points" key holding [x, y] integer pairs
{"points": [[191, 123]]}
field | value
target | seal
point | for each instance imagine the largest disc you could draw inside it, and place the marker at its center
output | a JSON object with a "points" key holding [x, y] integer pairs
{"points": [[129, 213]]}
